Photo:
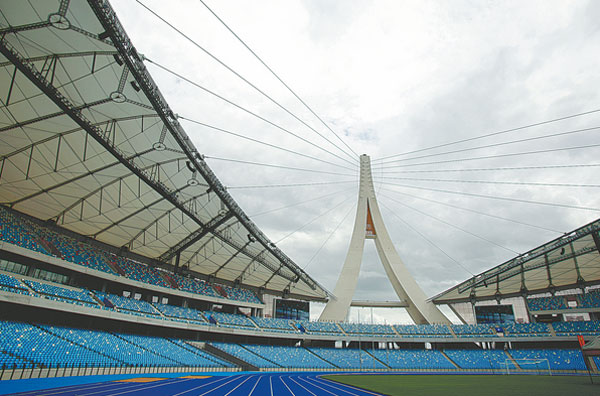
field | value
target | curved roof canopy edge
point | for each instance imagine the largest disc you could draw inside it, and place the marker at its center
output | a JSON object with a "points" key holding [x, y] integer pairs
{"points": [[88, 141], [568, 262]]}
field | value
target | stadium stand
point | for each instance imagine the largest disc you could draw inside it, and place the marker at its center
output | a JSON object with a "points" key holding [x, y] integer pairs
{"points": [[11, 284], [526, 329], [130, 305], [401, 359], [473, 330], [18, 230], [320, 328], [367, 329], [194, 285], [547, 303], [37, 346], [479, 359], [290, 357], [275, 324], [171, 351], [354, 359], [437, 330], [187, 314], [559, 359], [58, 293], [245, 355], [590, 299], [230, 320], [577, 328]]}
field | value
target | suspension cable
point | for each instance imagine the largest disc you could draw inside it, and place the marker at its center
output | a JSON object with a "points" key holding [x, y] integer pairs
{"points": [[494, 156], [299, 203], [261, 142], [494, 197], [494, 133], [426, 239], [495, 144], [280, 80], [289, 185], [238, 75], [510, 168], [247, 111], [480, 213], [496, 182], [452, 225], [275, 166], [329, 237], [314, 219]]}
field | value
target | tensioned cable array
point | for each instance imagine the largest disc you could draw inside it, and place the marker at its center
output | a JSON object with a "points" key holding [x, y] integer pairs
{"points": [[379, 166], [426, 239], [276, 166], [493, 133], [289, 185], [505, 168], [314, 219], [247, 111], [451, 225], [493, 197], [244, 80], [328, 237], [480, 213], [512, 183], [278, 78], [494, 156], [495, 145], [261, 142], [300, 203]]}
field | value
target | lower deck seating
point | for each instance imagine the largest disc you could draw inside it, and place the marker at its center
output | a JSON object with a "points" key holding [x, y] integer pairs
{"points": [[348, 358], [246, 355], [290, 357], [412, 359], [25, 345], [558, 359], [479, 359]]}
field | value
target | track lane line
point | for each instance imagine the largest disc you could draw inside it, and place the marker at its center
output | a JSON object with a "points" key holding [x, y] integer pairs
{"points": [[255, 385], [343, 390], [241, 383], [303, 387], [69, 388], [288, 388], [140, 387], [330, 383], [201, 386]]}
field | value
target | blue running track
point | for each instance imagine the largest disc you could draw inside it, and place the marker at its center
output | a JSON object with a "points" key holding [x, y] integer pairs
{"points": [[249, 384]]}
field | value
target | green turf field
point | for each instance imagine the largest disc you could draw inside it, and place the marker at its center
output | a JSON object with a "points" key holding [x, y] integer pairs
{"points": [[472, 385]]}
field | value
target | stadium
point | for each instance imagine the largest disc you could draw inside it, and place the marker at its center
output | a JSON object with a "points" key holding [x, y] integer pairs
{"points": [[127, 266]]}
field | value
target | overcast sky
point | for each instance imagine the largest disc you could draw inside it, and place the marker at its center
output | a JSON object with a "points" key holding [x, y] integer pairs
{"points": [[391, 77]]}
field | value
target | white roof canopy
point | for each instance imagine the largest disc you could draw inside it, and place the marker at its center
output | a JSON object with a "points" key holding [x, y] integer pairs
{"points": [[88, 142], [571, 261]]}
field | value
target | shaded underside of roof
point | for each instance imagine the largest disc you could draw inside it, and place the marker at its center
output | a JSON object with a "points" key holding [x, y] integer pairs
{"points": [[87, 141], [571, 261]]}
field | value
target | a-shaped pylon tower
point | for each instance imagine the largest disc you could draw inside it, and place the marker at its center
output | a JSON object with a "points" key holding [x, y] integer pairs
{"points": [[369, 225]]}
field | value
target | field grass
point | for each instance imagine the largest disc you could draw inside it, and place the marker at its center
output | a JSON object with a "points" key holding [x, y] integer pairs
{"points": [[472, 385]]}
